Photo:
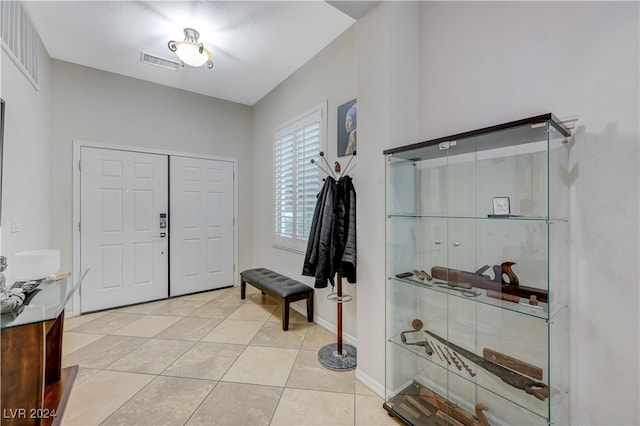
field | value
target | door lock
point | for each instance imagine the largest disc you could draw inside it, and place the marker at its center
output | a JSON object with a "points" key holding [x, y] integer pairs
{"points": [[163, 220]]}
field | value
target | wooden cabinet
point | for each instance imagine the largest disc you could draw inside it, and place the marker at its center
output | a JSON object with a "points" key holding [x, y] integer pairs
{"points": [[34, 386]]}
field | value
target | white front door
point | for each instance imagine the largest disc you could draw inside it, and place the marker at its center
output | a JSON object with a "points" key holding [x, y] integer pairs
{"points": [[202, 210], [122, 196]]}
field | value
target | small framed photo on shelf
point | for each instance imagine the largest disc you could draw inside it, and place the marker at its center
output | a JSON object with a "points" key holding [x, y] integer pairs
{"points": [[501, 206]]}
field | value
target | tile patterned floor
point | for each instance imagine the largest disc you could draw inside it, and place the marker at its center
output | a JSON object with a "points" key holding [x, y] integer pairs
{"points": [[208, 359]]}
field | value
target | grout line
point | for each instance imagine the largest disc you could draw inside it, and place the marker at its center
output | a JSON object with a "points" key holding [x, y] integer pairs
{"points": [[202, 402], [226, 301], [132, 396]]}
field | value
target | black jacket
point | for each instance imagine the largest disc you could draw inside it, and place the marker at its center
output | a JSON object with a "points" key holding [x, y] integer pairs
{"points": [[331, 246]]}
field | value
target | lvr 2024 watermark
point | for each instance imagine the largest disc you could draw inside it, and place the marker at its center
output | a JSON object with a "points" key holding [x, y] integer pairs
{"points": [[28, 413]]}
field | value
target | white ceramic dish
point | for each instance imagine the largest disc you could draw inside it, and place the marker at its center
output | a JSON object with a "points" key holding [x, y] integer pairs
{"points": [[34, 264]]}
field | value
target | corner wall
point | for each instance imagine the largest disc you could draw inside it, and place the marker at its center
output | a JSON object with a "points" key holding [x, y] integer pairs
{"points": [[389, 115], [485, 63], [25, 163], [330, 76]]}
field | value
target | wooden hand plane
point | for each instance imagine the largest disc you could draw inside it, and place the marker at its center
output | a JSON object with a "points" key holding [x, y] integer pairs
{"points": [[498, 283]]}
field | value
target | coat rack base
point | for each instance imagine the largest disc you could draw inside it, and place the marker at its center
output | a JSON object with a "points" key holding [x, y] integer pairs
{"points": [[330, 358]]}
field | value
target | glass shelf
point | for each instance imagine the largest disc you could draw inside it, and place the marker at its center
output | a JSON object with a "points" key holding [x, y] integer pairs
{"points": [[46, 304], [541, 311], [440, 197], [486, 217], [494, 385]]}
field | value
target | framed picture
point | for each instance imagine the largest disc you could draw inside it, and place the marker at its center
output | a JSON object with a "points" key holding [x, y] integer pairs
{"points": [[501, 206], [347, 127]]}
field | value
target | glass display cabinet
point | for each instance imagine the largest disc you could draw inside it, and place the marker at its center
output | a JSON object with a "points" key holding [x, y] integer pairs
{"points": [[477, 268]]}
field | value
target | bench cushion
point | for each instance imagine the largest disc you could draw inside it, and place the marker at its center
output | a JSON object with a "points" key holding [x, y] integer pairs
{"points": [[279, 284]]}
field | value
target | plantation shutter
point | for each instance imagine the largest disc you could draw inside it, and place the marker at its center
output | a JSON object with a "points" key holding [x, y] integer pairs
{"points": [[296, 180]]}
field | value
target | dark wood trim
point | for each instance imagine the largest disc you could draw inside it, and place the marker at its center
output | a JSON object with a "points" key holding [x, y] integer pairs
{"points": [[57, 395], [557, 124], [23, 358], [53, 362], [339, 315], [34, 388]]}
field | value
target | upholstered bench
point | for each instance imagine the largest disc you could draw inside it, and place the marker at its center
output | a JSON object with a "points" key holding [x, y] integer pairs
{"points": [[279, 287]]}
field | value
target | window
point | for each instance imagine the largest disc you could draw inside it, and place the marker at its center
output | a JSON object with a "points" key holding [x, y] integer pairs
{"points": [[20, 38], [296, 180]]}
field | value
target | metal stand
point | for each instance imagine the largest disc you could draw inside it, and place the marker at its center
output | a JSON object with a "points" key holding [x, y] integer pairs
{"points": [[338, 356]]}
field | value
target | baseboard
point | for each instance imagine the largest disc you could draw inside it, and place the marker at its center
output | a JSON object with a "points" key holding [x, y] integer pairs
{"points": [[375, 386], [346, 337]]}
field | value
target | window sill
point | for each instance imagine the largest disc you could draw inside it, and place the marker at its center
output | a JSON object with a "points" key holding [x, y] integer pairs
{"points": [[290, 249]]}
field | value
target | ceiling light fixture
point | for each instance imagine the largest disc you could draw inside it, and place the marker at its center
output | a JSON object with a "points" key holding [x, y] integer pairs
{"points": [[190, 51]]}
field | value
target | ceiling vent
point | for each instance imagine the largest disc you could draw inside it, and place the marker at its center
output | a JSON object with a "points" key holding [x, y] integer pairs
{"points": [[167, 64]]}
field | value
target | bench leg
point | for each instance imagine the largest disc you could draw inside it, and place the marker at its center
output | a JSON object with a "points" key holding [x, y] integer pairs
{"points": [[310, 308], [285, 315], [243, 289]]}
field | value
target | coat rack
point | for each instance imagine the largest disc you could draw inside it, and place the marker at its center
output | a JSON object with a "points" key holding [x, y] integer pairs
{"points": [[336, 167], [337, 356]]}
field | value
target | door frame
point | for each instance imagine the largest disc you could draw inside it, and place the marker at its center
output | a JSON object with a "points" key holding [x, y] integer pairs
{"points": [[75, 308]]}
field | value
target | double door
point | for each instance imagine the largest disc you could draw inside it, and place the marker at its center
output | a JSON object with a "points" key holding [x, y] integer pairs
{"points": [[153, 226]]}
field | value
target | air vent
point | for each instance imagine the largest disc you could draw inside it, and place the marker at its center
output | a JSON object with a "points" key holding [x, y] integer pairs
{"points": [[167, 64]]}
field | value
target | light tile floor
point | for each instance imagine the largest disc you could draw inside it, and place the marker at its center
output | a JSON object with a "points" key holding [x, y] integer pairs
{"points": [[209, 359]]}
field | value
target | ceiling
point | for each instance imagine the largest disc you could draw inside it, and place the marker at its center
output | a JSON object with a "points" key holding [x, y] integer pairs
{"points": [[255, 44]]}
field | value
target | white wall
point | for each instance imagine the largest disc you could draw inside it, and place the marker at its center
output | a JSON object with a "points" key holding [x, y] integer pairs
{"points": [[485, 63], [25, 168], [96, 106], [388, 115], [329, 77], [479, 63]]}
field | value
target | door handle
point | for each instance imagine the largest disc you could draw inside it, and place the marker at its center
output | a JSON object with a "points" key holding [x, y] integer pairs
{"points": [[162, 235]]}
